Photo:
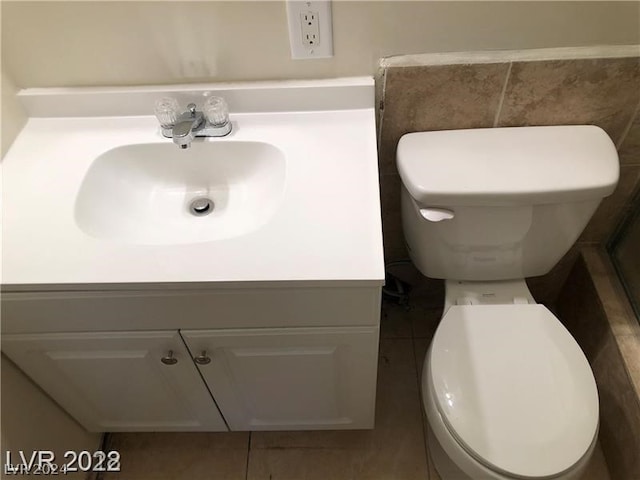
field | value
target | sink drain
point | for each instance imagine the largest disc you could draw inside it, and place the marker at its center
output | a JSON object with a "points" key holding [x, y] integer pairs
{"points": [[201, 206]]}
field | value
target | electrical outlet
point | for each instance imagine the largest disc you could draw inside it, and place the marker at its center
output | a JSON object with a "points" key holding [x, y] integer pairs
{"points": [[310, 31]]}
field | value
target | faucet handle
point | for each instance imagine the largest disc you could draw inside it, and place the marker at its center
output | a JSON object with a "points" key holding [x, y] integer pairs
{"points": [[192, 109], [217, 111], [167, 111]]}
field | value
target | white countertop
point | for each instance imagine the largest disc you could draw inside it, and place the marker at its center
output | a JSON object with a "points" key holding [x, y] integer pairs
{"points": [[327, 228]]}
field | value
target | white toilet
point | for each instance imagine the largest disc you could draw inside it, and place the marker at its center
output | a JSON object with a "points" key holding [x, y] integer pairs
{"points": [[507, 391]]}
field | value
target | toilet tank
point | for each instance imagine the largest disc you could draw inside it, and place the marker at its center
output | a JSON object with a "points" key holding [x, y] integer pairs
{"points": [[500, 203]]}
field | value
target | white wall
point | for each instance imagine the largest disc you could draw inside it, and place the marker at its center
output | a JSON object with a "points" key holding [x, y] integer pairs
{"points": [[32, 421], [115, 43]]}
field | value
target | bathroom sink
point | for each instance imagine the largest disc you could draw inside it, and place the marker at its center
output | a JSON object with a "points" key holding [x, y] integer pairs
{"points": [[293, 188], [155, 193]]}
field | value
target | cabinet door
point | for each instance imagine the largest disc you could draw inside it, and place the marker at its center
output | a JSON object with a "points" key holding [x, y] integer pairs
{"points": [[117, 381], [290, 379]]}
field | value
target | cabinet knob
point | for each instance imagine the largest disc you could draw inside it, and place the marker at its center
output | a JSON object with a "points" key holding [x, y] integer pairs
{"points": [[169, 359], [202, 359]]}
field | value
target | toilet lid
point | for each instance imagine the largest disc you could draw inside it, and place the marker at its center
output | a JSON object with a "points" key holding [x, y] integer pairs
{"points": [[514, 388]]}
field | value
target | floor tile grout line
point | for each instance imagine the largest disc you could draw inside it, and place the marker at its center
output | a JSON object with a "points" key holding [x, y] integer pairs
{"points": [[246, 466], [103, 446], [424, 433]]}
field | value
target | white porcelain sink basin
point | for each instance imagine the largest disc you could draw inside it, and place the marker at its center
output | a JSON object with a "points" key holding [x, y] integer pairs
{"points": [[144, 193]]}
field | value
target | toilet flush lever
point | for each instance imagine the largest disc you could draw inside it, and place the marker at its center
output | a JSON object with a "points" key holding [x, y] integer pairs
{"points": [[436, 214]]}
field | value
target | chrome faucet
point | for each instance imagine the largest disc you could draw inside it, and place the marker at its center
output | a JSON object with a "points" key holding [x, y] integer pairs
{"points": [[183, 128], [183, 131]]}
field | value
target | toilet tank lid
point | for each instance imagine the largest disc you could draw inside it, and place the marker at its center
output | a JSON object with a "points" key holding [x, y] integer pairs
{"points": [[508, 166]]}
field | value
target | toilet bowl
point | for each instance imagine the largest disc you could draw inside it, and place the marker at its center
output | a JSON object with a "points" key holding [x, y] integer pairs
{"points": [[507, 391]]}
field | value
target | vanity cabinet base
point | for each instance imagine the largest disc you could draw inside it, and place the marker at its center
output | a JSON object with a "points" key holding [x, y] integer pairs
{"points": [[290, 379], [117, 381], [201, 360], [261, 379]]}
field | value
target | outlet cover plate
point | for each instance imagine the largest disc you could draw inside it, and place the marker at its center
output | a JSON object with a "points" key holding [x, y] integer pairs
{"points": [[321, 10]]}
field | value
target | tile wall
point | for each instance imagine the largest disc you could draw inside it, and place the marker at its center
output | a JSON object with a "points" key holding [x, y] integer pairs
{"points": [[421, 97], [594, 308]]}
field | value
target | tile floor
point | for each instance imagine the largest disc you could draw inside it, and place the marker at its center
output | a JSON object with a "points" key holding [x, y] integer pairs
{"points": [[394, 450]]}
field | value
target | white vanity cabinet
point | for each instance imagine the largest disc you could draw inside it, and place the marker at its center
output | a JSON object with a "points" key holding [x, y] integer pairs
{"points": [[124, 381], [289, 378], [201, 359]]}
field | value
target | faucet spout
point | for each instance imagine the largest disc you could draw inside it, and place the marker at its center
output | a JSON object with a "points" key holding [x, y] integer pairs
{"points": [[183, 133], [183, 130]]}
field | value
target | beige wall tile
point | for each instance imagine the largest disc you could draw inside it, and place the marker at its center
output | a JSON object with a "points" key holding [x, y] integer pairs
{"points": [[627, 259], [579, 309], [613, 361], [630, 148], [630, 350], [610, 293], [619, 413], [602, 92], [604, 222], [437, 98], [545, 289], [627, 184], [614, 208]]}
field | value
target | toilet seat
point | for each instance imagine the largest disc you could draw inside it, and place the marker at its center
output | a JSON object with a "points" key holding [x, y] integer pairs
{"points": [[514, 389]]}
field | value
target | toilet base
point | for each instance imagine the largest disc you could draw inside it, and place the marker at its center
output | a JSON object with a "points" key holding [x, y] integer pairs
{"points": [[453, 462]]}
